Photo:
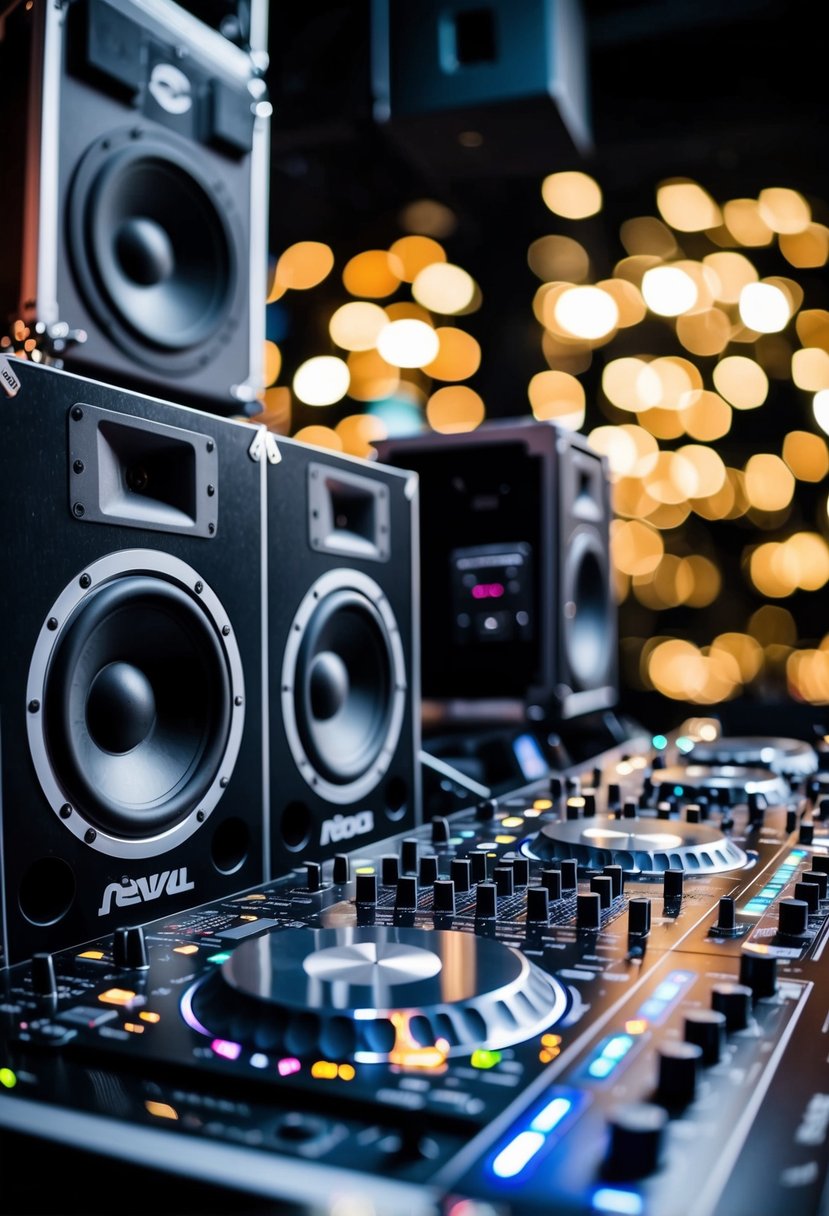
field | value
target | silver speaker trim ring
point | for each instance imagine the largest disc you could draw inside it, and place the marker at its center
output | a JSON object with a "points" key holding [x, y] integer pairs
{"points": [[114, 565], [337, 580]]}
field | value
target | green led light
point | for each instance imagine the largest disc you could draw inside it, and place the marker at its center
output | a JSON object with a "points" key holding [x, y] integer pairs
{"points": [[481, 1058], [8, 1079], [219, 958]]}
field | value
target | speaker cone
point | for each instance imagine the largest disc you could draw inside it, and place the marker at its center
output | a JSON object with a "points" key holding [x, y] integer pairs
{"points": [[586, 611], [343, 685], [139, 688], [152, 247]]}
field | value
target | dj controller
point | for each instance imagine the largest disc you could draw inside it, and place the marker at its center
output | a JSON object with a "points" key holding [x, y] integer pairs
{"points": [[603, 992]]}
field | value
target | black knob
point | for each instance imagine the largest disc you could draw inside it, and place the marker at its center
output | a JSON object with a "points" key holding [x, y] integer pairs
{"points": [[588, 911], [704, 812], [408, 855], [389, 869], [444, 896], [365, 891], [485, 900], [639, 916], [756, 809], [521, 871], [460, 871], [589, 809], [538, 904], [572, 785], [428, 869], [791, 820], [613, 796], [440, 830], [478, 862], [129, 949], [630, 809], [341, 871], [726, 921], [672, 884], [503, 879], [617, 877], [806, 833], [664, 809], [679, 1064], [692, 814], [555, 787], [313, 875], [820, 862], [809, 893], [822, 808], [486, 808], [551, 881], [637, 1134], [793, 916], [569, 874], [596, 777], [733, 1000], [819, 879], [573, 807], [603, 887], [706, 1028], [406, 894], [44, 982], [759, 973]]}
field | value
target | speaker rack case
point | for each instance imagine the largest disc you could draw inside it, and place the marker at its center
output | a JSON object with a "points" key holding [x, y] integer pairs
{"points": [[133, 706]]}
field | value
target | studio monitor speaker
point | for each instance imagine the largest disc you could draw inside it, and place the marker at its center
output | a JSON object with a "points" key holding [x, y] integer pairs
{"points": [[518, 611], [131, 688], [343, 642], [134, 209]]}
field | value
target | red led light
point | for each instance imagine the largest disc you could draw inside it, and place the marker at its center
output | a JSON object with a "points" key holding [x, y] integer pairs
{"points": [[487, 591]]}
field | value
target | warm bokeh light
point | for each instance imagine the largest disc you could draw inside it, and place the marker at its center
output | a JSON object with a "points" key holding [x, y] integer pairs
{"points": [[428, 217], [357, 325], [557, 397], [820, 409], [408, 343], [769, 482], [743, 220], [732, 272], [645, 234], [375, 273], [320, 437], [272, 363], [586, 312], [784, 210], [703, 333], [359, 432], [458, 357], [414, 253], [321, 380], [372, 378], [808, 249], [455, 408], [629, 303], [303, 265], [571, 194], [687, 206], [741, 381], [764, 308], [806, 455], [444, 288], [810, 369], [558, 257], [636, 548], [706, 416], [669, 291]]}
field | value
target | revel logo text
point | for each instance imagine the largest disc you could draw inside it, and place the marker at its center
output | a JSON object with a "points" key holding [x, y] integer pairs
{"points": [[142, 890]]}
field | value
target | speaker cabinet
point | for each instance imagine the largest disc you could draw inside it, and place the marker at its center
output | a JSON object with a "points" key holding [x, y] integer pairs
{"points": [[135, 232], [131, 706], [343, 642], [518, 613]]}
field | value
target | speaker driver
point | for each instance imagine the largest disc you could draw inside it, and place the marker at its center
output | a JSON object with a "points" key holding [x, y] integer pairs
{"points": [[585, 610], [135, 703], [152, 247], [343, 686]]}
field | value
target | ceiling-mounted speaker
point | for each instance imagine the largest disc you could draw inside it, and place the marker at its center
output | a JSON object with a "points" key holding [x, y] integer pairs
{"points": [[136, 228], [473, 88], [519, 616], [344, 661], [131, 690]]}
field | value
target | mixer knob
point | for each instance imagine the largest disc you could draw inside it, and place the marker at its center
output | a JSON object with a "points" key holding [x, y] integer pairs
{"points": [[806, 833], [440, 830], [664, 809], [637, 1135], [734, 1001], [406, 894], [555, 787], [572, 785], [658, 761], [603, 887], [639, 916], [389, 869], [588, 911], [809, 894], [596, 777], [692, 814], [341, 872], [477, 860], [538, 905], [759, 973], [793, 916], [613, 796], [726, 921], [486, 900], [408, 855], [486, 808], [822, 808], [429, 869], [460, 871], [819, 878], [44, 982], [630, 809], [573, 807], [313, 875], [756, 809], [129, 948], [503, 879], [791, 820], [365, 891], [706, 1028], [589, 810], [521, 871], [820, 863], [672, 884], [617, 877], [444, 896], [569, 874], [551, 881], [679, 1064]]}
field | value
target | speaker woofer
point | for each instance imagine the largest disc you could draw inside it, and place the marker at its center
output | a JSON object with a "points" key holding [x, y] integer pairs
{"points": [[586, 611], [152, 248], [135, 703], [343, 686]]}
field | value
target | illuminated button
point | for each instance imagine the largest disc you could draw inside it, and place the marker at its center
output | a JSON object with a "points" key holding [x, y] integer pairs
{"points": [[706, 1028], [117, 996], [190, 949], [637, 1133]]}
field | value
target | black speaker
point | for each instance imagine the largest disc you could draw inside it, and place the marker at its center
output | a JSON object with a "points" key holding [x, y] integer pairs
{"points": [[518, 611], [134, 211], [343, 642], [132, 721]]}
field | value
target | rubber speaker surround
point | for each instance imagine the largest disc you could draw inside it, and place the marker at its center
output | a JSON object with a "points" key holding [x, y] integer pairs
{"points": [[343, 686], [152, 244], [135, 703]]}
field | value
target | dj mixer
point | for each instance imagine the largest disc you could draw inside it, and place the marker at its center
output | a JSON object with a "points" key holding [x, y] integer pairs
{"points": [[603, 992]]}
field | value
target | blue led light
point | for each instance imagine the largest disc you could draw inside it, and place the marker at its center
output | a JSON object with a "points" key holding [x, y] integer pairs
{"points": [[531, 1138], [785, 872], [517, 1154], [618, 1047], [551, 1115], [659, 742], [601, 1068], [609, 1055], [685, 744], [624, 1203], [679, 790], [665, 995]]}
